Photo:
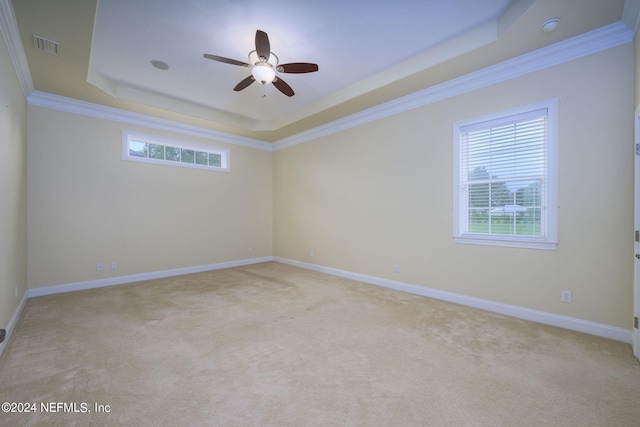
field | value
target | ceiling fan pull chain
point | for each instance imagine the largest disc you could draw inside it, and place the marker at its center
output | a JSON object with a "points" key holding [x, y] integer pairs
{"points": [[264, 95]]}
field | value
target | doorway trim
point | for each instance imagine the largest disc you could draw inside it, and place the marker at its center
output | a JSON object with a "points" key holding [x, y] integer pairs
{"points": [[635, 335]]}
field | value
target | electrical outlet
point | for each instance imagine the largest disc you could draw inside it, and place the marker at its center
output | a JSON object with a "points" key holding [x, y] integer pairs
{"points": [[114, 265], [396, 268], [311, 253], [566, 296], [99, 266]]}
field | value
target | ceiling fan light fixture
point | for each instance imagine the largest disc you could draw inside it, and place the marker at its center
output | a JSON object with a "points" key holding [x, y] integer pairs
{"points": [[263, 72]]}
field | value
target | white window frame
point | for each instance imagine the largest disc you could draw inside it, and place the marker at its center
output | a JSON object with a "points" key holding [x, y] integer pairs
{"points": [[549, 240], [128, 136]]}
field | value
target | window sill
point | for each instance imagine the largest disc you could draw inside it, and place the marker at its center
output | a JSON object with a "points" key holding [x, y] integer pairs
{"points": [[506, 242]]}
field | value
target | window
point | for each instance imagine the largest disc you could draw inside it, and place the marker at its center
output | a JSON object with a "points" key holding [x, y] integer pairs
{"points": [[505, 178], [154, 149]]}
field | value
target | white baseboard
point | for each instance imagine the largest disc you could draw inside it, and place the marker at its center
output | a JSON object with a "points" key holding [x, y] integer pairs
{"points": [[13, 321], [593, 328], [120, 280]]}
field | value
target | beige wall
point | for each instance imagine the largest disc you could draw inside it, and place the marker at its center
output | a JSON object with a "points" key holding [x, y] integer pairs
{"points": [[381, 194], [13, 189], [363, 199], [87, 205]]}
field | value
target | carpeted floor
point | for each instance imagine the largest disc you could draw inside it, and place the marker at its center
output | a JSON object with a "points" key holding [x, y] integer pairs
{"points": [[274, 345]]}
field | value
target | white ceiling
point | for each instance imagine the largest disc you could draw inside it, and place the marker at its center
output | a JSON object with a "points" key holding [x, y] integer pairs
{"points": [[357, 44]]}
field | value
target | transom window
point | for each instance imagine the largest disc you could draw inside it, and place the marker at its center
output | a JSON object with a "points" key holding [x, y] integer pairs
{"points": [[139, 147], [505, 178]]}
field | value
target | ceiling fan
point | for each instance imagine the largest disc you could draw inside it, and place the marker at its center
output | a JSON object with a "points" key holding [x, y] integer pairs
{"points": [[264, 66]]}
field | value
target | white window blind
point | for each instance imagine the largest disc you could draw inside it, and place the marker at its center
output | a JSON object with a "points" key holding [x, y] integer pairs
{"points": [[504, 183]]}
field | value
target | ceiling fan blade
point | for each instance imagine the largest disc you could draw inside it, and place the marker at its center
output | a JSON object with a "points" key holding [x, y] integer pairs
{"points": [[297, 67], [263, 47], [226, 60], [244, 83], [283, 87]]}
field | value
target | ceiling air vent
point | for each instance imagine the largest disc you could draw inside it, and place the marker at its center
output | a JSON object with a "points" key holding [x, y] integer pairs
{"points": [[46, 45]]}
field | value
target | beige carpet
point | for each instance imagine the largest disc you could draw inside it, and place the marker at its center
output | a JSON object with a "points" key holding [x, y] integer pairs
{"points": [[274, 345]]}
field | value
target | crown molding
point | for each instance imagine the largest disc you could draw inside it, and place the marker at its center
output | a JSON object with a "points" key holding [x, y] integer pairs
{"points": [[586, 44], [607, 37], [70, 105], [11, 35]]}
